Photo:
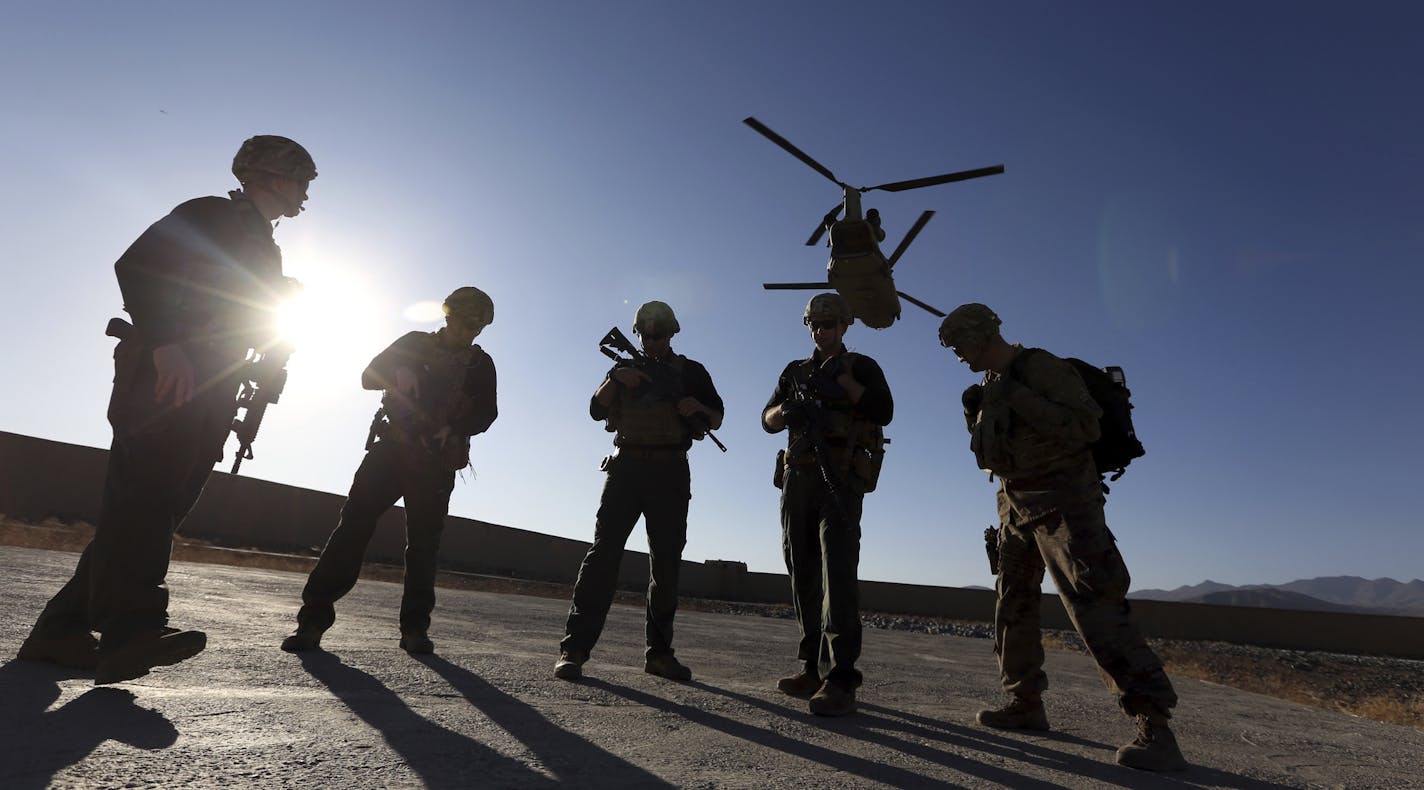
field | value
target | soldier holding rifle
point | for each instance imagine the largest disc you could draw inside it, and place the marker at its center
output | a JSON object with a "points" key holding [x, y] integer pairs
{"points": [[655, 409], [201, 286], [835, 404]]}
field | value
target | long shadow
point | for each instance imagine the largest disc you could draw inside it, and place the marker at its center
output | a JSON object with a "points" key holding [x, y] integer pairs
{"points": [[869, 770], [571, 758], [1028, 748], [39, 743], [1196, 776], [934, 727], [861, 727], [443, 758]]}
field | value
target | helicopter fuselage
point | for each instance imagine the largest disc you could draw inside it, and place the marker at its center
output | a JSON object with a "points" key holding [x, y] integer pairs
{"points": [[859, 272]]}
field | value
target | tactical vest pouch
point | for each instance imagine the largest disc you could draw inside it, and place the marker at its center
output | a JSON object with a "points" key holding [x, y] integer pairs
{"points": [[454, 455], [867, 458], [778, 476]]}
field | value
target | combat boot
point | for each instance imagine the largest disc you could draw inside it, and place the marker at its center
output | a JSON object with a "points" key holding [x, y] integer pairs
{"points": [[1154, 748], [302, 640], [416, 643], [570, 665], [832, 700], [802, 684], [144, 651], [75, 651], [1022, 713], [665, 665]]}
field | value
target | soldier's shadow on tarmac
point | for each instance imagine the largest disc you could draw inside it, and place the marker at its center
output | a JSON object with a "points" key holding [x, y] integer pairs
{"points": [[1106, 771], [570, 757], [874, 724], [40, 742], [441, 757]]}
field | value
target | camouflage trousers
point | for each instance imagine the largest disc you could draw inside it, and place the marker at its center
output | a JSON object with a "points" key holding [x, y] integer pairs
{"points": [[1076, 548]]}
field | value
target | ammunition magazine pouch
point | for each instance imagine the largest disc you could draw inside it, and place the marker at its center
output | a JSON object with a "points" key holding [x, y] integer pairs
{"points": [[867, 457]]}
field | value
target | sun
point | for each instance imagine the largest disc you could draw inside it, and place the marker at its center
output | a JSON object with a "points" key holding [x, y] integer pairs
{"points": [[332, 321]]}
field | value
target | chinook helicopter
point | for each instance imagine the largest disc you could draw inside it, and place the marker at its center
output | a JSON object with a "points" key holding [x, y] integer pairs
{"points": [[858, 270]]}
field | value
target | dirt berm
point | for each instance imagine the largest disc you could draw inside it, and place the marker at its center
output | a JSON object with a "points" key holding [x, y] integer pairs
{"points": [[485, 711]]}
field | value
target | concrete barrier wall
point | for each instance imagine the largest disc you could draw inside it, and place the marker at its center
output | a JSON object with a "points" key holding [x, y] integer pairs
{"points": [[42, 479]]}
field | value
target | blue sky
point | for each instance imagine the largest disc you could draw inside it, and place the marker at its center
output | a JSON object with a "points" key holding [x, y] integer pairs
{"points": [[1223, 198]]}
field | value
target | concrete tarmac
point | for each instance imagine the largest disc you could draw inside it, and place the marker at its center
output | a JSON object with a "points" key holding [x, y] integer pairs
{"points": [[486, 711]]}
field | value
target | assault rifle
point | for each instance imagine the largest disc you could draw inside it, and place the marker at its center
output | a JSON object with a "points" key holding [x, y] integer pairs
{"points": [[262, 385], [266, 377], [813, 432], [664, 385]]}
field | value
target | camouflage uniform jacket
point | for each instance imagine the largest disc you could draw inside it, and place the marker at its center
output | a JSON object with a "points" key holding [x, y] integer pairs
{"points": [[1033, 431]]}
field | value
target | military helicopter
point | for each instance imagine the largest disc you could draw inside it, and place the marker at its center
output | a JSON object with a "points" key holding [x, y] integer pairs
{"points": [[858, 270]]}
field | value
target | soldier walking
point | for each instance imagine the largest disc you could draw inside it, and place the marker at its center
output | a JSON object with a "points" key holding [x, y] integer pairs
{"points": [[655, 413], [439, 391], [835, 404], [201, 286], [1032, 422]]}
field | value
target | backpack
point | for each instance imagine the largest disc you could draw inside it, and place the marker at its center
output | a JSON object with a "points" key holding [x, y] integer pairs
{"points": [[1117, 443]]}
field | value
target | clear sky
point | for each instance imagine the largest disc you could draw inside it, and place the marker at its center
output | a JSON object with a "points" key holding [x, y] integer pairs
{"points": [[1226, 199]]}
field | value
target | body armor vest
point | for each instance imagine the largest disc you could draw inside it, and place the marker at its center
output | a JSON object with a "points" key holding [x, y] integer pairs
{"points": [[648, 417], [442, 398], [838, 430], [856, 446]]}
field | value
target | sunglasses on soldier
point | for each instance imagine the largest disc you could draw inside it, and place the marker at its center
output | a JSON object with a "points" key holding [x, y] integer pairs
{"points": [[823, 323], [653, 330]]}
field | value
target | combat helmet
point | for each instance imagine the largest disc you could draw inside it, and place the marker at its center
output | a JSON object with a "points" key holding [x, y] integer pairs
{"points": [[971, 319], [827, 305], [270, 153], [471, 304], [655, 314]]}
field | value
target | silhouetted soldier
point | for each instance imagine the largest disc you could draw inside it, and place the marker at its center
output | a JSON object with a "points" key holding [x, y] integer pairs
{"points": [[835, 404], [201, 286], [656, 412], [439, 391], [1032, 423]]}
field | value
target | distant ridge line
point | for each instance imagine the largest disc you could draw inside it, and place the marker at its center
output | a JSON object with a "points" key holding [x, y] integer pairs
{"points": [[1324, 594]]}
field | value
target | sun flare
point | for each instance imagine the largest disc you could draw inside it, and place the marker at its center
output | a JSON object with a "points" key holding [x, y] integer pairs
{"points": [[333, 322]]}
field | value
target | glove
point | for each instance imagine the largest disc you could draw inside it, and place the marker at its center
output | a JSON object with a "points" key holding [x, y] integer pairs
{"points": [[796, 414], [972, 399]]}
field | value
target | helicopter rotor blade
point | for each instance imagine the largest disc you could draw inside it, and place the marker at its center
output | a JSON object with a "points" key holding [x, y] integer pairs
{"points": [[909, 237], [795, 286], [831, 216], [786, 146], [963, 175], [916, 302]]}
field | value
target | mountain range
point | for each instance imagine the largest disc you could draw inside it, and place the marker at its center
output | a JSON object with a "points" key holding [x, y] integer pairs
{"points": [[1323, 594]]}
